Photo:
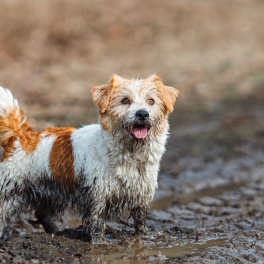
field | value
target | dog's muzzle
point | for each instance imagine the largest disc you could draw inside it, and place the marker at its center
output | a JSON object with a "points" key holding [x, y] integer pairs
{"points": [[141, 126]]}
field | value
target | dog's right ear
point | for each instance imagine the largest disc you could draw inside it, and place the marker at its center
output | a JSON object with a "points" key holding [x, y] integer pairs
{"points": [[103, 94]]}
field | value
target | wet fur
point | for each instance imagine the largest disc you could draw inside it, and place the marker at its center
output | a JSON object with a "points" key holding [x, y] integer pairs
{"points": [[101, 170]]}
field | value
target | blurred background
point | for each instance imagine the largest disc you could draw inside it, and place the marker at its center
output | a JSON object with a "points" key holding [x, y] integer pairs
{"points": [[53, 52]]}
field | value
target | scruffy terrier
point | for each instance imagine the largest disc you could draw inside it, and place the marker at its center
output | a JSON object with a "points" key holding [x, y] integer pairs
{"points": [[103, 169]]}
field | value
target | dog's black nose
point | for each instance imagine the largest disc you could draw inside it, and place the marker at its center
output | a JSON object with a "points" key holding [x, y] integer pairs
{"points": [[142, 115]]}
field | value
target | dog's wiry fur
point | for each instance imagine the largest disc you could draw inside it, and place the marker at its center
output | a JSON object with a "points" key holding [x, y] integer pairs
{"points": [[101, 169]]}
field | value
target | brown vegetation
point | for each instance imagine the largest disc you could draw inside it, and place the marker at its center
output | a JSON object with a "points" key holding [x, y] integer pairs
{"points": [[53, 52]]}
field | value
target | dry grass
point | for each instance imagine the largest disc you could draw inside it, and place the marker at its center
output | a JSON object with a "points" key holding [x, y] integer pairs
{"points": [[52, 52]]}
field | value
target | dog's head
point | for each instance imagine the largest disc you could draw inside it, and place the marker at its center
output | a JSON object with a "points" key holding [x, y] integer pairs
{"points": [[135, 108]]}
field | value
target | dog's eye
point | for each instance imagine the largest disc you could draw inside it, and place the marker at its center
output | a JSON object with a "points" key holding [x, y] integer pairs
{"points": [[151, 101], [126, 101]]}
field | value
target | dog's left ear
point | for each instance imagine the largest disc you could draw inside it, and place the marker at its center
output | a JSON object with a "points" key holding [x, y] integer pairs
{"points": [[168, 93], [102, 94]]}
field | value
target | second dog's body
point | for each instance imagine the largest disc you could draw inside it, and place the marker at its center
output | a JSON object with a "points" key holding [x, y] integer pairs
{"points": [[106, 168]]}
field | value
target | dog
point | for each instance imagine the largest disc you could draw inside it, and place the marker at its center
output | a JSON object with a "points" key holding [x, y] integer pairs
{"points": [[101, 170]]}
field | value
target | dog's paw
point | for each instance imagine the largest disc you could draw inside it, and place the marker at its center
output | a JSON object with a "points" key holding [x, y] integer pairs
{"points": [[142, 231], [94, 240]]}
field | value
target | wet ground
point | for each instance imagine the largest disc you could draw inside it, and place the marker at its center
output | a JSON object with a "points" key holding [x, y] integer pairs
{"points": [[209, 205]]}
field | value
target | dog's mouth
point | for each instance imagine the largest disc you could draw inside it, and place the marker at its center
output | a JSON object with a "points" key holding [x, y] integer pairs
{"points": [[139, 131]]}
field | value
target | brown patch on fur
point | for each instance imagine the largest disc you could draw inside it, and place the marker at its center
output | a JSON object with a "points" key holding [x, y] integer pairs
{"points": [[168, 94], [103, 94], [13, 126], [9, 149], [101, 97], [61, 157], [58, 131], [29, 140], [163, 124], [105, 120]]}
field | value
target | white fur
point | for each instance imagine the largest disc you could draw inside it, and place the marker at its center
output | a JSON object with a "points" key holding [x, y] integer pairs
{"points": [[97, 154], [21, 165], [7, 101]]}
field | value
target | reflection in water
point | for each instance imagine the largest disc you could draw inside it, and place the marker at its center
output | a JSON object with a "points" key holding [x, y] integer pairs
{"points": [[190, 197], [146, 254]]}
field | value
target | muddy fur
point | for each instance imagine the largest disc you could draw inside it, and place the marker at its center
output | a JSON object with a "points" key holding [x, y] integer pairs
{"points": [[49, 200]]}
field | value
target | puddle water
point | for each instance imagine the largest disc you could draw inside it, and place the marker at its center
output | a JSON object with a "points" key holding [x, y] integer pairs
{"points": [[190, 197], [155, 253]]}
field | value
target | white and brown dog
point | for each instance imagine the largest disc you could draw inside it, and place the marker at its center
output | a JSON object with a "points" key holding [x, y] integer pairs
{"points": [[102, 169]]}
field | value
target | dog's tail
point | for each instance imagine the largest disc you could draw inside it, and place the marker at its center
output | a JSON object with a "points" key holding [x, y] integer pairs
{"points": [[12, 118]]}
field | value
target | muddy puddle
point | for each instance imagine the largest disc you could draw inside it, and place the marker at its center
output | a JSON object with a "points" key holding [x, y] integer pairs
{"points": [[184, 199], [68, 246], [145, 254]]}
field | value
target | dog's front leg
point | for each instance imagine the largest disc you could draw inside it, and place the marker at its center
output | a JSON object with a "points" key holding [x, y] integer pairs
{"points": [[94, 222], [139, 215]]}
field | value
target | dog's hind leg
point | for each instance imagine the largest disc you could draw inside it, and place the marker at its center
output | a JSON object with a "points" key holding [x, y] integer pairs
{"points": [[45, 217], [8, 209]]}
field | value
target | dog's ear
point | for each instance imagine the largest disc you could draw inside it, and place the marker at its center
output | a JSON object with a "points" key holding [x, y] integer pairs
{"points": [[102, 94], [168, 94]]}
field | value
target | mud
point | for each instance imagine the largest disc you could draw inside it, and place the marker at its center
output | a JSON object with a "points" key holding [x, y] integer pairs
{"points": [[209, 205]]}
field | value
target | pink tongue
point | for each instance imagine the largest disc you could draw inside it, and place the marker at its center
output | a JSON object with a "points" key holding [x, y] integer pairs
{"points": [[140, 132]]}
